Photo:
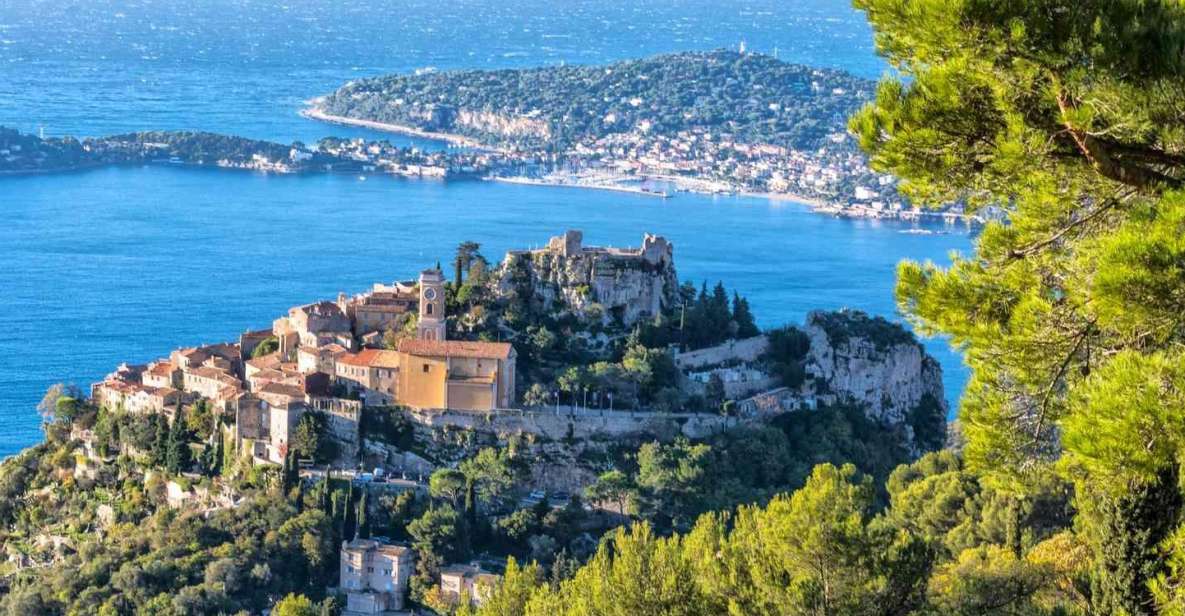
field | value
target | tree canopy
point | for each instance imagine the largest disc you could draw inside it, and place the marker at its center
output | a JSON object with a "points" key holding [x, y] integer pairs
{"points": [[1066, 117]]}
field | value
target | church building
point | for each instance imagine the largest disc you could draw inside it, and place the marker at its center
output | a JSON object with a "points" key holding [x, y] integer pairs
{"points": [[437, 373]]}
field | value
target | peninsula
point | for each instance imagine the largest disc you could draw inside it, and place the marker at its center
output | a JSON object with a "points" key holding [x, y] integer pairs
{"points": [[716, 122], [21, 154]]}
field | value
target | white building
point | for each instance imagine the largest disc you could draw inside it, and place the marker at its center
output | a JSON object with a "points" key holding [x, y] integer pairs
{"points": [[374, 575]]}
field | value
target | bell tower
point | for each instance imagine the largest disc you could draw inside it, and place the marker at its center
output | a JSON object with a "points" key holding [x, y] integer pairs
{"points": [[432, 317]]}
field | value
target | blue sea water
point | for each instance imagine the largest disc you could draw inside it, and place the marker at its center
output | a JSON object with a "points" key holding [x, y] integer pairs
{"points": [[125, 264]]}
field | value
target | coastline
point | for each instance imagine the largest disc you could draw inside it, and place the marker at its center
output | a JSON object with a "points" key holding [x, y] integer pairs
{"points": [[544, 182], [313, 112]]}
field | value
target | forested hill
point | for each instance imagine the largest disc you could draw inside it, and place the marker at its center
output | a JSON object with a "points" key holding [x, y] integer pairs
{"points": [[752, 98]]}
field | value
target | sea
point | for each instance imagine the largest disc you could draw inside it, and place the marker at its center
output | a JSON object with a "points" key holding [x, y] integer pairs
{"points": [[124, 264]]}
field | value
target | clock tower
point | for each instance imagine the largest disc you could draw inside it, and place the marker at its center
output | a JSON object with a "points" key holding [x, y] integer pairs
{"points": [[432, 318]]}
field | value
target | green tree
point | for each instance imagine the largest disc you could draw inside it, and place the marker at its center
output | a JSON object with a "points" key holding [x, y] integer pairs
{"points": [[743, 317], [1066, 115], [493, 474], [267, 346], [611, 487], [512, 593], [363, 517], [177, 455], [447, 484], [310, 438], [436, 538], [466, 252], [295, 605]]}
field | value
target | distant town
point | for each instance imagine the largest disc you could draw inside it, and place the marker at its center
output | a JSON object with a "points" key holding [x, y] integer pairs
{"points": [[783, 142]]}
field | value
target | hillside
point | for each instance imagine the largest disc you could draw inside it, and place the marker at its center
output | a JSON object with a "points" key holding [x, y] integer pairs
{"points": [[749, 98]]}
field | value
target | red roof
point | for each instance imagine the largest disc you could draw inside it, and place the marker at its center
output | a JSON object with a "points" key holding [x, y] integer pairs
{"points": [[456, 348], [370, 358]]}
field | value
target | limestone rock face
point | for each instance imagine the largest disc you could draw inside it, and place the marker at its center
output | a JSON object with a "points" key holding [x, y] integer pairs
{"points": [[610, 285], [875, 364]]}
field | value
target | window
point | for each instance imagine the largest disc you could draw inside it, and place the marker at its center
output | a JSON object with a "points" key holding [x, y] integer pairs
{"points": [[428, 310], [370, 569], [427, 368]]}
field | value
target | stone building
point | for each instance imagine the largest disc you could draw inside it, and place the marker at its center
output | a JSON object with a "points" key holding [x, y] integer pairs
{"points": [[374, 575], [312, 325], [468, 579], [319, 359], [454, 374], [371, 373], [379, 309]]}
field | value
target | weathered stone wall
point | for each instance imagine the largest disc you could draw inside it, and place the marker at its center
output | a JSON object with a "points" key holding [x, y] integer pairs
{"points": [[584, 424], [746, 350]]}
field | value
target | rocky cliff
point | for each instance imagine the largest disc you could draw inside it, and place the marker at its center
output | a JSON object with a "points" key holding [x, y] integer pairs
{"points": [[615, 286], [879, 366]]}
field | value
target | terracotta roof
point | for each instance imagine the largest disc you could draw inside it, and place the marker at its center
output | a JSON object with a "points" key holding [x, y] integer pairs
{"points": [[282, 389], [207, 372], [271, 360], [456, 348], [162, 369], [332, 349], [371, 358], [383, 359]]}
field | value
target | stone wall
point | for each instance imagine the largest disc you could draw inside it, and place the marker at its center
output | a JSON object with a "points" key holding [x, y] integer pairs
{"points": [[583, 424], [744, 351]]}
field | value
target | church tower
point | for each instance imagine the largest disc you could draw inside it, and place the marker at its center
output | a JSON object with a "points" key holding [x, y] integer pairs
{"points": [[432, 317]]}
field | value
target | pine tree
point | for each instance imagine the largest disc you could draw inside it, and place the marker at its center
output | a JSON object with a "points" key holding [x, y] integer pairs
{"points": [[1065, 114], [743, 317]]}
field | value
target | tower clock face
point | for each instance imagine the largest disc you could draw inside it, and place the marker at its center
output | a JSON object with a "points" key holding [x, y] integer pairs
{"points": [[429, 294]]}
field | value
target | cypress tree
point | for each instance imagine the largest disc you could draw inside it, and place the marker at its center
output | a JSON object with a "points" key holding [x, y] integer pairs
{"points": [[177, 447], [160, 446], [349, 517], [743, 317], [363, 518], [1132, 527], [323, 496]]}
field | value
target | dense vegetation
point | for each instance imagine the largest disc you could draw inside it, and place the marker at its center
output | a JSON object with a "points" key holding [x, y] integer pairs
{"points": [[948, 543], [1067, 498], [749, 98]]}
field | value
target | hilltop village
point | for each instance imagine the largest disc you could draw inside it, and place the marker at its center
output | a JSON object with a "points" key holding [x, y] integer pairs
{"points": [[433, 427]]}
